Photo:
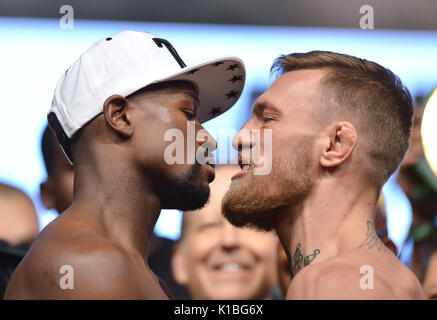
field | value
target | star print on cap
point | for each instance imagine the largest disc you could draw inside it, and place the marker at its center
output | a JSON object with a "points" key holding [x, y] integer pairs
{"points": [[224, 88]]}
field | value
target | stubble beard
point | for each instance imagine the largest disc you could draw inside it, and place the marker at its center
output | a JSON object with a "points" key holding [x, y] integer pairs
{"points": [[192, 195]]}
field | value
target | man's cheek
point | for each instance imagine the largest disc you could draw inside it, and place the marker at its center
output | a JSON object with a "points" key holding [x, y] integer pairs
{"points": [[262, 152]]}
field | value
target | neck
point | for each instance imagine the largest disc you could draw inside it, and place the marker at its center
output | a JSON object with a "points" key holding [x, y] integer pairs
{"points": [[120, 200], [326, 223]]}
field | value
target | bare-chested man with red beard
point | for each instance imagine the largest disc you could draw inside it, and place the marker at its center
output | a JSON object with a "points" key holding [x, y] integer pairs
{"points": [[340, 127]]}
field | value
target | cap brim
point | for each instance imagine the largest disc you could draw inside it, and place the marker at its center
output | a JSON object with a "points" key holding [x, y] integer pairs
{"points": [[220, 83]]}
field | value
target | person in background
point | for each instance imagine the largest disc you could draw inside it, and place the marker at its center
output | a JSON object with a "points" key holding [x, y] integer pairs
{"points": [[19, 221], [420, 186], [216, 260], [18, 228]]}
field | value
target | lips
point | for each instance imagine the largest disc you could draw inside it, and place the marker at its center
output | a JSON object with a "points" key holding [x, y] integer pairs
{"points": [[245, 168], [211, 172], [240, 174], [212, 165]]}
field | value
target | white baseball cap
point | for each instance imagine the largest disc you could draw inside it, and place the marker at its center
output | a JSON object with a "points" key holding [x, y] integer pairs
{"points": [[128, 61]]}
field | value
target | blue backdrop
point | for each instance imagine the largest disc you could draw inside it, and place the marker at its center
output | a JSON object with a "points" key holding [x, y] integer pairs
{"points": [[35, 52]]}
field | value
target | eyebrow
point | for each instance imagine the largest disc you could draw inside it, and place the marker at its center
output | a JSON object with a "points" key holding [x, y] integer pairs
{"points": [[261, 106], [192, 95]]}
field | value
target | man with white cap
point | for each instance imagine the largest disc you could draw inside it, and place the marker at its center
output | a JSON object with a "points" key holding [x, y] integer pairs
{"points": [[111, 113]]}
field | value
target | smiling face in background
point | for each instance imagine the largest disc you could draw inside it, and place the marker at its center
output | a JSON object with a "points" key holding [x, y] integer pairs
{"points": [[216, 260]]}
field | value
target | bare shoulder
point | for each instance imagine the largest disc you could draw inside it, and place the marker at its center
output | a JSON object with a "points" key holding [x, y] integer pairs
{"points": [[326, 281], [405, 283], [64, 267], [355, 277], [389, 274]]}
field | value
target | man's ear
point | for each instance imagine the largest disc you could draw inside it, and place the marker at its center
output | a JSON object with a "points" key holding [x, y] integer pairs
{"points": [[46, 194], [340, 143], [117, 116], [178, 266]]}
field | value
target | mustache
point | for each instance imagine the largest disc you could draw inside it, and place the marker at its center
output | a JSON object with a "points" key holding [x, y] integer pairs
{"points": [[246, 157]]}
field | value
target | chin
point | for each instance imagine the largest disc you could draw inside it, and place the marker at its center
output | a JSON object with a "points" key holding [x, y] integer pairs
{"points": [[248, 207], [189, 200], [189, 191]]}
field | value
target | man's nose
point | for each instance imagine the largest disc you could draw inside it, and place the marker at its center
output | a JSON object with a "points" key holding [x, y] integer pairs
{"points": [[229, 236], [205, 139], [243, 138]]}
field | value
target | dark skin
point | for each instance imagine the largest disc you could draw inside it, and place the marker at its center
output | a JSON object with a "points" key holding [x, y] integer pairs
{"points": [[104, 235]]}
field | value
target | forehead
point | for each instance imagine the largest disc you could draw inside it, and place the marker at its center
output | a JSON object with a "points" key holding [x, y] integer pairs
{"points": [[294, 90], [169, 90], [172, 85]]}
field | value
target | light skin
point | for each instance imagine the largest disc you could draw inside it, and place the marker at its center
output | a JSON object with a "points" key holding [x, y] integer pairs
{"points": [[283, 265], [219, 261], [325, 222], [19, 221], [117, 198]]}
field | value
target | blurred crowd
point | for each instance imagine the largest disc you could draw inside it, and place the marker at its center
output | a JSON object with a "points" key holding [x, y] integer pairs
{"points": [[213, 259]]}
